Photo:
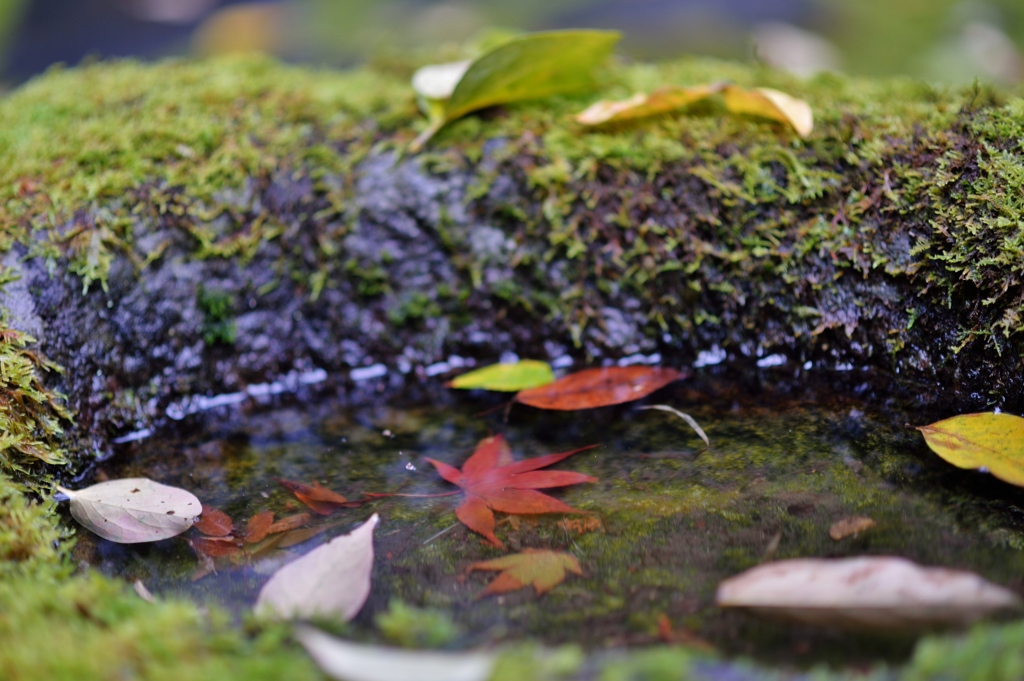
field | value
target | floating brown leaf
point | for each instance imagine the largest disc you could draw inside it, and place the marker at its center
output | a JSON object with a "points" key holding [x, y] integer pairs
{"points": [[850, 527], [292, 522], [592, 388], [259, 526], [214, 523], [493, 484], [541, 568], [319, 499], [865, 593]]}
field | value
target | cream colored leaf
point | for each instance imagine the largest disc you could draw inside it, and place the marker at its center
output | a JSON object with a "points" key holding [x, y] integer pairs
{"points": [[332, 580], [640, 105], [690, 421], [865, 593], [772, 104], [347, 661], [850, 527], [134, 510], [438, 81]]}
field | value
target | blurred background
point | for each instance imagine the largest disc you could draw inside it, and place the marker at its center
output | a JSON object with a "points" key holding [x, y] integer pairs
{"points": [[954, 41]]}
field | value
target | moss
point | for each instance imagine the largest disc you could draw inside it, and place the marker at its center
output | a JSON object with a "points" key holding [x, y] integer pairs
{"points": [[987, 653], [411, 627], [29, 538], [218, 324]]}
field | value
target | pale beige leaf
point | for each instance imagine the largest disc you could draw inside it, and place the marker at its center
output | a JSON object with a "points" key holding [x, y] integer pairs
{"points": [[640, 105], [850, 527], [332, 580], [134, 510], [772, 104], [438, 81], [690, 421], [865, 593], [348, 661], [142, 591]]}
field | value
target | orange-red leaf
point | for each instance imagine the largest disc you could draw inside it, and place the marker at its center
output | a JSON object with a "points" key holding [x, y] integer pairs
{"points": [[213, 522], [216, 547], [599, 388], [320, 499], [541, 568], [292, 522], [493, 483], [258, 527]]}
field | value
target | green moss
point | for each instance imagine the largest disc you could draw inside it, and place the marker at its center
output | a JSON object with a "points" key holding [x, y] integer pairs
{"points": [[410, 627], [29, 538], [218, 308]]}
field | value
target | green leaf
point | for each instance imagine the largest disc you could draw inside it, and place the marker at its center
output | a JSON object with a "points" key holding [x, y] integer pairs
{"points": [[527, 373], [991, 441], [528, 67]]}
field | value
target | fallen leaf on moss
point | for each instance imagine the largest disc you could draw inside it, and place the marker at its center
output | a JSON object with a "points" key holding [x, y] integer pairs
{"points": [[347, 661], [527, 373], [768, 103], [214, 523], [258, 527], [541, 568], [526, 67], [660, 101], [991, 442], [332, 580], [883, 593], [592, 388], [850, 527], [133, 510], [491, 483], [320, 499]]}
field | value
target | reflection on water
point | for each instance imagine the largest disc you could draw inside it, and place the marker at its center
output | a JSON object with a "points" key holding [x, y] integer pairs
{"points": [[668, 520]]}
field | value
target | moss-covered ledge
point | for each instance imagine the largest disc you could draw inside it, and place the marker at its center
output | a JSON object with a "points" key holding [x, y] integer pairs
{"points": [[199, 227]]}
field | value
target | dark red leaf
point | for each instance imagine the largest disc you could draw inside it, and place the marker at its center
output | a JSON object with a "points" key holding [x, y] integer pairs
{"points": [[598, 387], [213, 522]]}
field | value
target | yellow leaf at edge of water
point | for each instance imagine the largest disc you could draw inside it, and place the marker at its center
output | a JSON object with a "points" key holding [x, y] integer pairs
{"points": [[772, 104], [522, 375], [985, 440]]}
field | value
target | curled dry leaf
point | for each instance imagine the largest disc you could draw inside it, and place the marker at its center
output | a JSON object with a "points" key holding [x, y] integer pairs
{"points": [[592, 388], [259, 526], [492, 482], [541, 568], [994, 442], [640, 105], [772, 104], [332, 580], [214, 523], [884, 593], [348, 661], [521, 375], [133, 510], [850, 527]]}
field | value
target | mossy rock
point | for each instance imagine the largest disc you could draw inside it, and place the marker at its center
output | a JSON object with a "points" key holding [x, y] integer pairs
{"points": [[194, 227]]}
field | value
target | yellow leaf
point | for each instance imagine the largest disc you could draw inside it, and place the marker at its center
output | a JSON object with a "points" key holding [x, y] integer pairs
{"points": [[987, 440], [772, 104], [542, 568], [521, 375], [640, 105]]}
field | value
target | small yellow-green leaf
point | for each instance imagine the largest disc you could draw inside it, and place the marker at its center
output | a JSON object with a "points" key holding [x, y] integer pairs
{"points": [[773, 104], [991, 441], [640, 105], [527, 67], [524, 374]]}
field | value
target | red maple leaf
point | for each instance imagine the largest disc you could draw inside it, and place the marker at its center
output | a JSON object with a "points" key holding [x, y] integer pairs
{"points": [[493, 483]]}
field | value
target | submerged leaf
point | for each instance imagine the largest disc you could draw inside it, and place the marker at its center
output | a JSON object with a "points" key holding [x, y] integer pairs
{"points": [[865, 593], [526, 67], [332, 580], [990, 441], [216, 547], [541, 568], [592, 388], [640, 105], [348, 661], [214, 523], [289, 523], [772, 104], [527, 373], [320, 499], [492, 482], [259, 526], [134, 510]]}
